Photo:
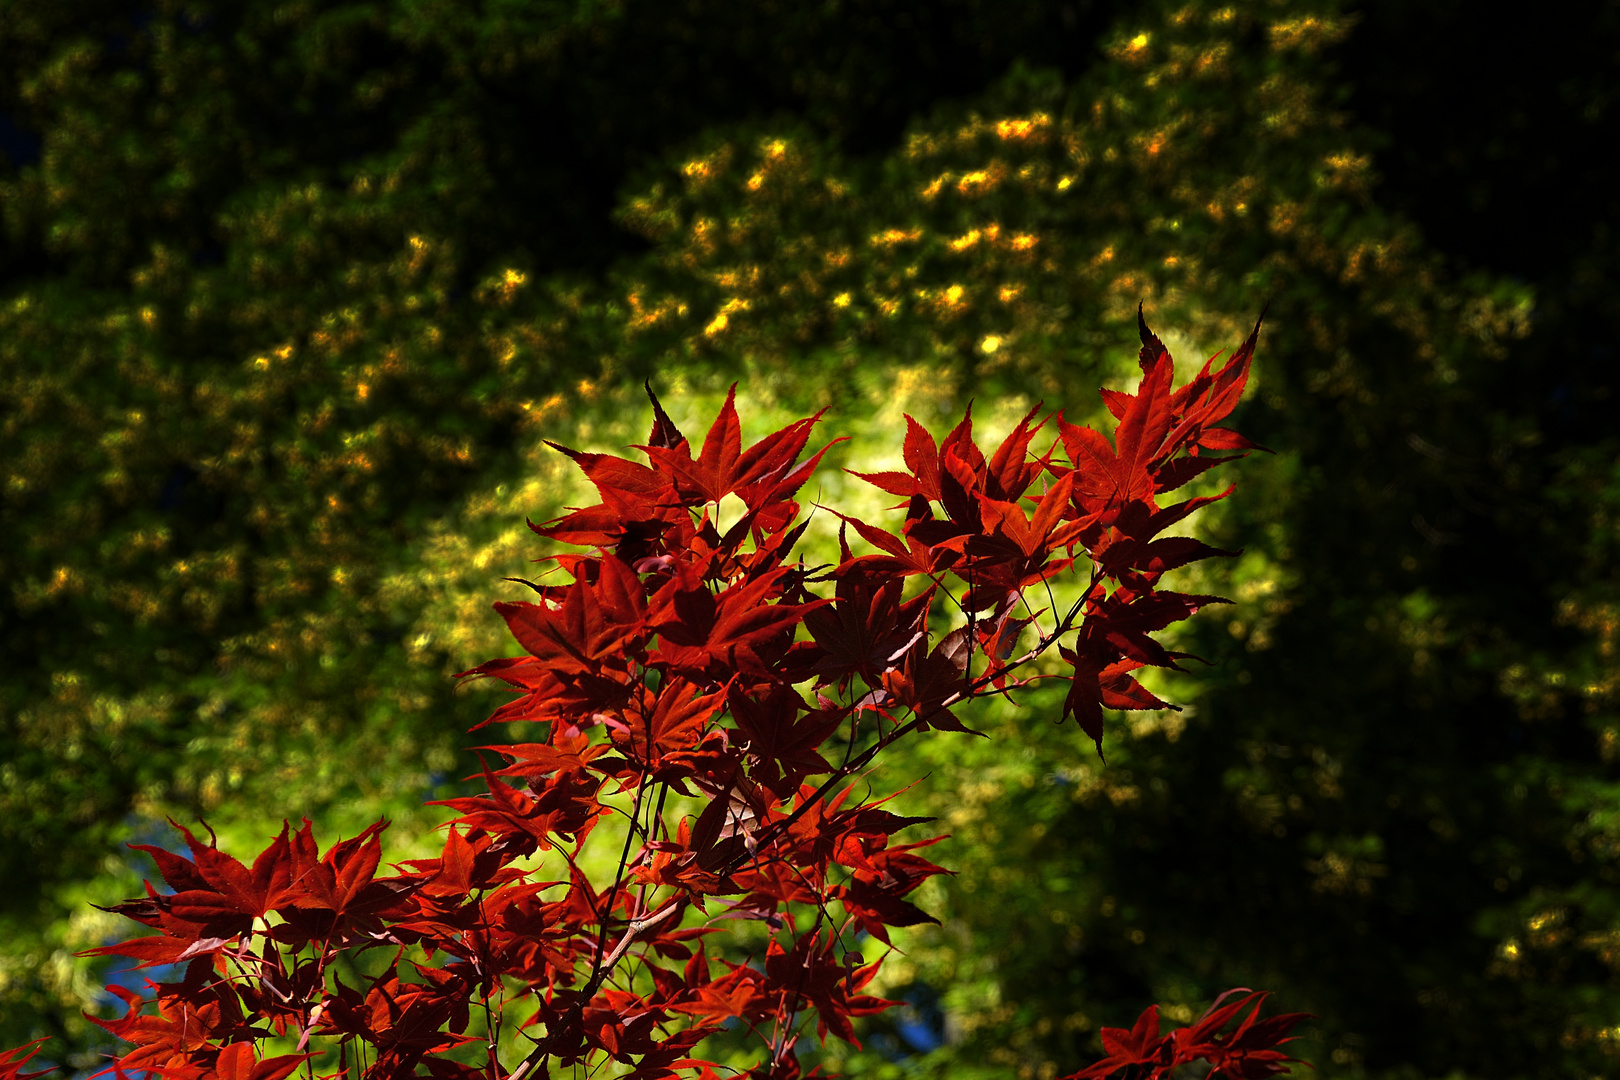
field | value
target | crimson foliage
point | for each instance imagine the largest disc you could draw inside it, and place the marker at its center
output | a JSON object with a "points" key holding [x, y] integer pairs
{"points": [[701, 658], [12, 1062]]}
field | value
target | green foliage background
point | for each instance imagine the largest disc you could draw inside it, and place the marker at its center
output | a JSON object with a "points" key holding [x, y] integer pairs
{"points": [[292, 292]]}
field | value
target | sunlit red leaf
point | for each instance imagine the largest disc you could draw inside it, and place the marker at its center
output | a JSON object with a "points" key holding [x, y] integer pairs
{"points": [[12, 1061]]}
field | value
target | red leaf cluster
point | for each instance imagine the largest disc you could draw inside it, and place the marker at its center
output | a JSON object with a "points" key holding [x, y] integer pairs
{"points": [[1248, 1051], [694, 679]]}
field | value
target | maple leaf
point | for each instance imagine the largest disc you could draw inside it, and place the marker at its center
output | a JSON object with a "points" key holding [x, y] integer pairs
{"points": [[699, 628], [954, 471], [782, 749], [855, 837], [1137, 1046], [780, 474], [922, 459], [596, 622], [238, 1061], [867, 628], [764, 472], [569, 751], [1121, 473], [1125, 618], [627, 487], [343, 881], [623, 1029], [673, 719], [739, 993], [1155, 423], [456, 872], [159, 949], [906, 557], [1013, 550], [563, 804], [232, 895], [638, 505], [1010, 471], [215, 900], [812, 973], [544, 694], [1208, 398], [1249, 1051], [711, 763], [12, 1061], [925, 682], [1012, 533], [181, 1038], [1101, 680], [711, 477], [773, 885], [877, 905]]}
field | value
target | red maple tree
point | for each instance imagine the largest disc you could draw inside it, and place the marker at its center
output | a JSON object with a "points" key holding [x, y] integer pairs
{"points": [[695, 657]]}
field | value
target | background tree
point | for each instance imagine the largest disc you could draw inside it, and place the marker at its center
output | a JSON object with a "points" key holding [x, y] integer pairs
{"points": [[284, 283]]}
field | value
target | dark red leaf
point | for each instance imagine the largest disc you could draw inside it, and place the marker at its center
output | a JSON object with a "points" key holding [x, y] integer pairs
{"points": [[665, 434], [782, 749]]}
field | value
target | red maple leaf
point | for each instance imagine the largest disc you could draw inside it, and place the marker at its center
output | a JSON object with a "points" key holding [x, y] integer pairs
{"points": [[1134, 1047], [184, 1034], [1011, 470], [811, 973], [928, 683], [670, 720], [1247, 1052], [12, 1061], [739, 993], [905, 557], [921, 457], [781, 748], [765, 471], [596, 623], [867, 628], [699, 629], [239, 1062]]}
